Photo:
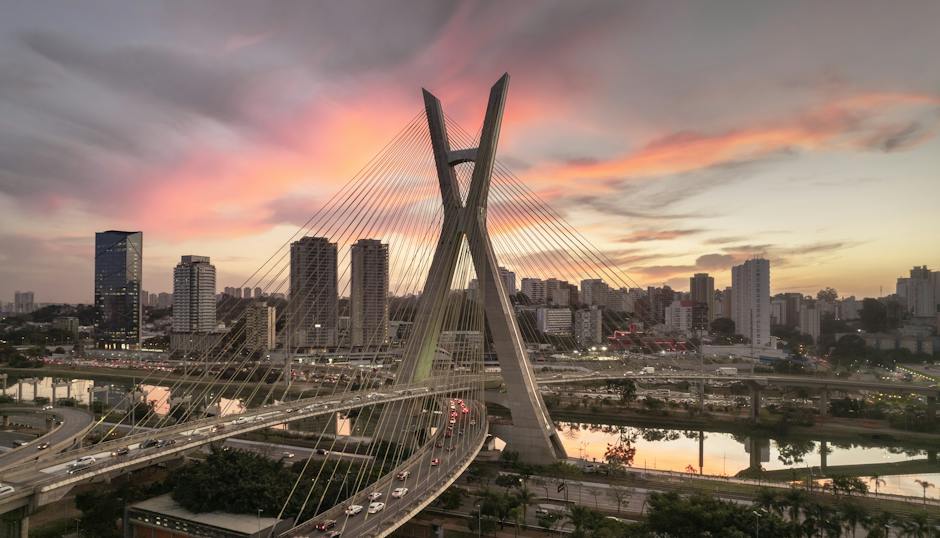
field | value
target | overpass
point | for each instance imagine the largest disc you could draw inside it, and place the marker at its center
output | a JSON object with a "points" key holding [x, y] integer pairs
{"points": [[75, 423]]}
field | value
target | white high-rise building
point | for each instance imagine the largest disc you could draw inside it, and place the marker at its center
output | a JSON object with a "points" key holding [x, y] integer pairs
{"points": [[918, 293], [809, 319], [555, 321], [313, 305], [534, 289], [260, 327], [509, 280], [368, 299], [23, 302], [750, 298], [594, 292], [588, 327], [194, 295], [679, 316]]}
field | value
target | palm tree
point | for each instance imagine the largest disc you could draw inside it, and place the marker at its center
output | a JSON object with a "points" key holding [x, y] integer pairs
{"points": [[766, 499], [582, 518], [878, 525], [877, 480], [526, 499], [852, 515], [916, 526], [925, 485], [795, 500]]}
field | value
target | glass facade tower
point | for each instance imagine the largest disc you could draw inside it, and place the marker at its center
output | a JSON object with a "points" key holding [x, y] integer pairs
{"points": [[118, 273]]}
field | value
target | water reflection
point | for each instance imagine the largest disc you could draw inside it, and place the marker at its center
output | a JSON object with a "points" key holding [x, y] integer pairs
{"points": [[725, 454]]}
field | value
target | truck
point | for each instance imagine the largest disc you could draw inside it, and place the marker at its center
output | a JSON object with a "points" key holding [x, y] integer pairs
{"points": [[727, 370], [647, 370]]}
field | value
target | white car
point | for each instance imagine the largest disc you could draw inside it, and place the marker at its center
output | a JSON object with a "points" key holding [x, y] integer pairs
{"points": [[375, 495], [376, 507], [6, 490], [353, 509], [80, 463], [399, 492]]}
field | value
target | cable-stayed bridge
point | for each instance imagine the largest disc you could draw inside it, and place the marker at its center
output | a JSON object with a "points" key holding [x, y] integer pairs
{"points": [[442, 215]]}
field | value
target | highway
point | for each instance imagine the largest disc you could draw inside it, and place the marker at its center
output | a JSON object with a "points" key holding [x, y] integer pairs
{"points": [[424, 483], [47, 478], [74, 423]]}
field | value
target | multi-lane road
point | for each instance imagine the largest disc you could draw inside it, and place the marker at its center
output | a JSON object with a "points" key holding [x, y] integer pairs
{"points": [[74, 423]]}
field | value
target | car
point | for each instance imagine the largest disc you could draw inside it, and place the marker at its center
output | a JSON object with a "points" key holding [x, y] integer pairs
{"points": [[322, 452], [440, 444], [473, 422], [353, 509], [80, 463], [435, 462], [453, 421], [334, 534], [376, 507], [375, 495], [291, 410], [287, 454], [399, 492], [123, 451], [17, 444], [403, 475], [149, 443], [166, 442], [47, 408], [450, 448], [6, 490], [42, 446], [325, 525], [240, 420]]}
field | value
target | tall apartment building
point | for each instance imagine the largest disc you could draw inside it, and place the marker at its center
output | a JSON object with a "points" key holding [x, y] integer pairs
{"points": [[809, 319], [260, 326], [918, 293], [509, 280], [259, 293], [659, 299], [368, 299], [687, 317], [620, 300], [194, 295], [702, 290], [750, 295], [594, 292], [118, 274], [534, 289], [555, 321], [557, 292], [313, 304], [588, 327], [24, 302]]}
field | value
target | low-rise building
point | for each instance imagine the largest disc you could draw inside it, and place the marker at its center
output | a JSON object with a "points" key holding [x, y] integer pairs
{"points": [[162, 517]]}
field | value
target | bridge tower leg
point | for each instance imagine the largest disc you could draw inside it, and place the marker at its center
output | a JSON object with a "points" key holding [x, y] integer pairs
{"points": [[15, 524], [533, 435]]}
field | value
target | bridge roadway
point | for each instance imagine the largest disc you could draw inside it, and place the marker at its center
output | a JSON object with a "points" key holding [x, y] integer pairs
{"points": [[763, 380], [424, 483], [75, 422], [47, 481]]}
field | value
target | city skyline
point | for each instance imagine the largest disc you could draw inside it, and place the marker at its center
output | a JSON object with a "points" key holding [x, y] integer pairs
{"points": [[821, 160]]}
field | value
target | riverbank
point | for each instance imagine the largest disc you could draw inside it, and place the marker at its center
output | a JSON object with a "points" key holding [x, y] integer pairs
{"points": [[827, 429]]}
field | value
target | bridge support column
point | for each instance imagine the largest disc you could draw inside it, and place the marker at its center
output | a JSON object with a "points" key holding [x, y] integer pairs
{"points": [[6, 421], [15, 524], [824, 403], [931, 410], [755, 403], [824, 457]]}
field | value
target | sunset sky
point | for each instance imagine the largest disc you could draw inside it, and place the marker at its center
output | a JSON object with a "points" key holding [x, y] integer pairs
{"points": [[695, 133]]}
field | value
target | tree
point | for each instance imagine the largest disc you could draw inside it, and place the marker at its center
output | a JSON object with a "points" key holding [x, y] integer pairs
{"points": [[723, 326], [582, 519], [877, 480], [452, 498], [873, 316], [852, 516], [925, 485], [526, 498], [829, 295], [620, 495]]}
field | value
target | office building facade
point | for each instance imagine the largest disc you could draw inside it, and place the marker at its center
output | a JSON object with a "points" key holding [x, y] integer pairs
{"points": [[118, 275]]}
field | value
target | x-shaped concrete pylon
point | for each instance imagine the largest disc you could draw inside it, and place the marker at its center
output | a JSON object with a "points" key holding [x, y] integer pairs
{"points": [[533, 434]]}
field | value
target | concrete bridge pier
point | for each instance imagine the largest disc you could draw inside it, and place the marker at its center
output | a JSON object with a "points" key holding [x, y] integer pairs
{"points": [[824, 457], [755, 402], [932, 410], [700, 393], [824, 403], [15, 524], [6, 421]]}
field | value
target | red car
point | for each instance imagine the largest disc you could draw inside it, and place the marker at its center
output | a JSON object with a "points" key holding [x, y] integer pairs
{"points": [[435, 462]]}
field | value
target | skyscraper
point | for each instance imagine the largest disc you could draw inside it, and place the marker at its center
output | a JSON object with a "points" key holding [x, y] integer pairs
{"points": [[702, 290], [312, 309], [260, 327], [534, 289], [23, 302], [750, 297], [194, 295], [368, 298], [118, 273], [594, 292], [509, 280]]}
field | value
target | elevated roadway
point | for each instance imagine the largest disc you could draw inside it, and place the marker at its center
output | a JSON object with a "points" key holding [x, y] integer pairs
{"points": [[75, 422]]}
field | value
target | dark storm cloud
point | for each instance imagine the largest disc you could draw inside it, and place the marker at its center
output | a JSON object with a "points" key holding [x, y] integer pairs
{"points": [[182, 82]]}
